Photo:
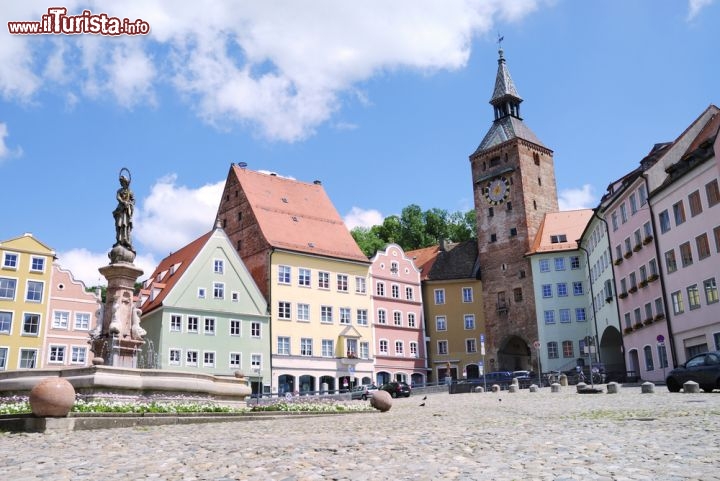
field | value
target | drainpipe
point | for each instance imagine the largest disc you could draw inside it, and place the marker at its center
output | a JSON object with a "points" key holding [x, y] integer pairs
{"points": [[671, 338]]}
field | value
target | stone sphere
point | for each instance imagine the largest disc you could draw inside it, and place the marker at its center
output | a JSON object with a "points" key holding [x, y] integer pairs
{"points": [[381, 400], [52, 397]]}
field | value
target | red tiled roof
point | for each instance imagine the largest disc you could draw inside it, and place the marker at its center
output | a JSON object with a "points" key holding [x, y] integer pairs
{"points": [[181, 260], [297, 216], [709, 131], [570, 223], [424, 259]]}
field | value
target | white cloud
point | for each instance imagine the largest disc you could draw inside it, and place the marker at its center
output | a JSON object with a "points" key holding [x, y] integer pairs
{"points": [[5, 151], [174, 215], [279, 67], [358, 217], [573, 199], [694, 7], [84, 265]]}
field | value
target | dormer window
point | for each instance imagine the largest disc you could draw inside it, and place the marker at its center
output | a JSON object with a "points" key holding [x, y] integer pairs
{"points": [[556, 239]]}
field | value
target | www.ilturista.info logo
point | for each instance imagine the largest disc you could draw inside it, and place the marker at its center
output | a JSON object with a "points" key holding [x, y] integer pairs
{"points": [[57, 21]]}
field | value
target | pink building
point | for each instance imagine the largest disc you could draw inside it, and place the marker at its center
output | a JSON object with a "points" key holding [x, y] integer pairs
{"points": [[398, 327], [72, 313]]}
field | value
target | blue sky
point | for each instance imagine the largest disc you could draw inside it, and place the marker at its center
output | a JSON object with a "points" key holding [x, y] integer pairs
{"points": [[382, 101]]}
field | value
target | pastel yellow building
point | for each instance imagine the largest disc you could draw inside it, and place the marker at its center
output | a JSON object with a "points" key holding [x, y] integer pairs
{"points": [[25, 275]]}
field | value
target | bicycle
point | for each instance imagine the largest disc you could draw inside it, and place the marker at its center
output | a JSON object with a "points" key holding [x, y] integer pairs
{"points": [[595, 373], [553, 377]]}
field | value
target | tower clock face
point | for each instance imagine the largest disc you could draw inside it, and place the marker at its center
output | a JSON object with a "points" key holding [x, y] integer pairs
{"points": [[497, 191]]}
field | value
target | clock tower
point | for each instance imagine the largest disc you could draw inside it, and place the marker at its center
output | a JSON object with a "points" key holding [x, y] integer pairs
{"points": [[514, 187]]}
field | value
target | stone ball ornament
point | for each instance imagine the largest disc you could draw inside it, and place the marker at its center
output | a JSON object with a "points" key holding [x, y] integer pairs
{"points": [[381, 400], [52, 397]]}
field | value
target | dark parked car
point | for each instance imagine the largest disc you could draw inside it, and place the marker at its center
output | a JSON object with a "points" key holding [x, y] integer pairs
{"points": [[397, 389], [501, 378], [703, 368], [525, 378], [363, 392]]}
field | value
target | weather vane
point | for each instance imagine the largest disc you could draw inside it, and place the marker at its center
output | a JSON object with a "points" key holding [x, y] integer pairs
{"points": [[499, 40]]}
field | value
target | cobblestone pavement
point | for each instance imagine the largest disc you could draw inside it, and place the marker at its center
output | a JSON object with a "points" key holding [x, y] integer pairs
{"points": [[483, 436]]}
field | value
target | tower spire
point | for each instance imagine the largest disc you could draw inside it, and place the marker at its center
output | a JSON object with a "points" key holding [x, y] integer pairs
{"points": [[505, 98]]}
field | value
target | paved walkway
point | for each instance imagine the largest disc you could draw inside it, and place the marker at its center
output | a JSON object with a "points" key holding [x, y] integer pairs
{"points": [[484, 436]]}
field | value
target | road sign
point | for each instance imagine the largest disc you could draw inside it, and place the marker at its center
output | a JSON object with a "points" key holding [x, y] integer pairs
{"points": [[536, 344], [482, 337], [660, 338], [351, 370]]}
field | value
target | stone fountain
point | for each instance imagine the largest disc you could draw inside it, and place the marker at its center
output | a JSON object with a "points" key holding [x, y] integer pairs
{"points": [[118, 338]]}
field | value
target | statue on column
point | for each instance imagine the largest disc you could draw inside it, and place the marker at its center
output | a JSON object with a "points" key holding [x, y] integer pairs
{"points": [[122, 250]]}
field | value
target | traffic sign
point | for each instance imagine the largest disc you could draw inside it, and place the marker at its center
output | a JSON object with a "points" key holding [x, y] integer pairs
{"points": [[482, 337], [536, 344], [660, 338]]}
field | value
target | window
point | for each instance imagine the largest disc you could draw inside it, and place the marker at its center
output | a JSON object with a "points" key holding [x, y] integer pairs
{"points": [[662, 355], [382, 316], [552, 350], [649, 366], [345, 315], [559, 263], [360, 285], [399, 348], [175, 323], [304, 278], [564, 315], [383, 348], [397, 318], [201, 293], [693, 294], [56, 355], [218, 266], [235, 327], [638, 238], [192, 324], [623, 286], [628, 320], [235, 360], [578, 288], [518, 294], [647, 230], [638, 315], [3, 358], [695, 203], [394, 268], [283, 346], [442, 347], [439, 296], [574, 262], [34, 291], [78, 355], [31, 325], [648, 311], [284, 274], [467, 293], [328, 348], [685, 254], [716, 234], [469, 321], [580, 315], [306, 346], [679, 213], [82, 321], [556, 239], [710, 286], [664, 219], [614, 220], [409, 293], [37, 264], [544, 265], [703, 246], [712, 192], [208, 359], [633, 204], [413, 349], [303, 312], [209, 327], [255, 331], [362, 317], [28, 358], [493, 237], [670, 261], [60, 319], [470, 346], [191, 358], [256, 361], [323, 280], [326, 314], [618, 252], [642, 193], [395, 289], [568, 350], [677, 301], [562, 290], [10, 260], [659, 308], [284, 310], [628, 247], [440, 323], [623, 213], [513, 230], [653, 267], [643, 274], [633, 281], [380, 289], [342, 282], [549, 317], [547, 290], [5, 322]]}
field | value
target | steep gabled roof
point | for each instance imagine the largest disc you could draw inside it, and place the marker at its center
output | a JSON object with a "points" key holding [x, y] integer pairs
{"points": [[447, 261], [169, 272], [424, 259], [560, 231], [297, 216]]}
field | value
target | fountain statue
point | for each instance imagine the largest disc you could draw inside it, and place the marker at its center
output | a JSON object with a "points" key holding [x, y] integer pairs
{"points": [[118, 336]]}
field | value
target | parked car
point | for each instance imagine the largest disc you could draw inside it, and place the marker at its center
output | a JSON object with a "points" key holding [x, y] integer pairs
{"points": [[363, 392], [501, 378], [396, 389], [525, 378], [703, 368]]}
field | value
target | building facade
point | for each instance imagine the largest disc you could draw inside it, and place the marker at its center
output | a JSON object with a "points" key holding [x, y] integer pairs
{"points": [[398, 327], [514, 186], [25, 275]]}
